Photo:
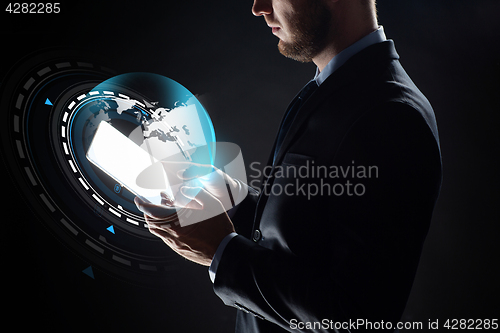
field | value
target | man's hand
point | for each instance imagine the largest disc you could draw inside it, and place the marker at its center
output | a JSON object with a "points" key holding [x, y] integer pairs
{"points": [[205, 224], [221, 185]]}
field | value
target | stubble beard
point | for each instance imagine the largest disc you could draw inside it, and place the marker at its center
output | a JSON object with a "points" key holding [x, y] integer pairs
{"points": [[309, 30]]}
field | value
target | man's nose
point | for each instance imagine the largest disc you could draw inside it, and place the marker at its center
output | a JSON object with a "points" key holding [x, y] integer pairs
{"points": [[262, 7]]}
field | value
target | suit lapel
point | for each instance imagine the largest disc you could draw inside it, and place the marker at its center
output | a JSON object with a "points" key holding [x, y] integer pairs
{"points": [[354, 69], [359, 65]]}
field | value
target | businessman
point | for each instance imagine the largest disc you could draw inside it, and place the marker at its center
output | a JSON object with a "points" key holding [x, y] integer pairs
{"points": [[332, 240]]}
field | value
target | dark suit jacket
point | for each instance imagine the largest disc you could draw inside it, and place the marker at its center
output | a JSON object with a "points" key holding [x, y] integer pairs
{"points": [[333, 255]]}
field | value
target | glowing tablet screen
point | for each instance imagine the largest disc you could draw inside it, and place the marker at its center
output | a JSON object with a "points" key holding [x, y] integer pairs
{"points": [[123, 160]]}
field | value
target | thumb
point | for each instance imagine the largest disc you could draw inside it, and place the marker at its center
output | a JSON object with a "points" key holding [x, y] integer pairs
{"points": [[195, 171], [199, 194], [210, 205], [190, 192]]}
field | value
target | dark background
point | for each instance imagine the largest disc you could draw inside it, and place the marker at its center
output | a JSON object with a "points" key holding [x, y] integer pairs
{"points": [[220, 52]]}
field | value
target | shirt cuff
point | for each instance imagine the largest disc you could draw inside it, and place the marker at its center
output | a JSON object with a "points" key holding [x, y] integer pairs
{"points": [[218, 254]]}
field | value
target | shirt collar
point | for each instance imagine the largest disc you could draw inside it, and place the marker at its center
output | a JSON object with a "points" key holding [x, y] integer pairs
{"points": [[375, 37]]}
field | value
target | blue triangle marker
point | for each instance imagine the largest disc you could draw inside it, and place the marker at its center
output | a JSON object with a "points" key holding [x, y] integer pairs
{"points": [[48, 102], [89, 272], [111, 229]]}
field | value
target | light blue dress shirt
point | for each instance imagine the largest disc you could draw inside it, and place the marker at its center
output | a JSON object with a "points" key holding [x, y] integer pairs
{"points": [[375, 37]]}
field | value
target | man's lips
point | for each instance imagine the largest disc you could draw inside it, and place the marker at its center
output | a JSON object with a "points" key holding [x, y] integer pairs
{"points": [[273, 27]]}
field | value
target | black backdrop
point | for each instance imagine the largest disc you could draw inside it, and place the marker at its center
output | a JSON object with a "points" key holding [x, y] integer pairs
{"points": [[220, 52]]}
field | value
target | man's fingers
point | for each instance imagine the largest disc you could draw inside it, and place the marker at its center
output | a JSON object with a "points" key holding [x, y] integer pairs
{"points": [[184, 199], [166, 200], [200, 195], [159, 232], [196, 204], [195, 171], [155, 211], [190, 192]]}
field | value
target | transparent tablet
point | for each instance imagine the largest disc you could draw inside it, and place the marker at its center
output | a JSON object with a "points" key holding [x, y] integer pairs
{"points": [[123, 160]]}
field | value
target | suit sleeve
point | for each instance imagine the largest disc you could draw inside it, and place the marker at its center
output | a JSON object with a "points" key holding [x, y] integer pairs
{"points": [[242, 217], [367, 250]]}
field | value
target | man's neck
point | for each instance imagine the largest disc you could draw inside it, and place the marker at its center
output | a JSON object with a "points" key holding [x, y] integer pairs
{"points": [[341, 58], [341, 43]]}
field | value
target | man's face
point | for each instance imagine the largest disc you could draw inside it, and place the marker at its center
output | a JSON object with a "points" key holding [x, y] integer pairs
{"points": [[301, 25]]}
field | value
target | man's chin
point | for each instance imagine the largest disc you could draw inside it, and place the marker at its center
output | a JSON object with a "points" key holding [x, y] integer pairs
{"points": [[295, 51]]}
